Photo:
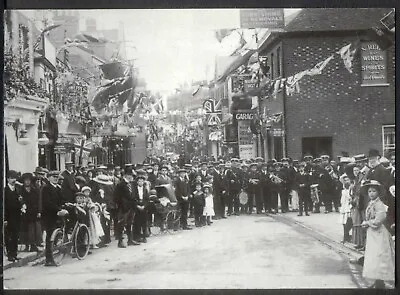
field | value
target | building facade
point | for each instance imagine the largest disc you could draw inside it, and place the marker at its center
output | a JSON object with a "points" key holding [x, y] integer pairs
{"points": [[337, 111]]}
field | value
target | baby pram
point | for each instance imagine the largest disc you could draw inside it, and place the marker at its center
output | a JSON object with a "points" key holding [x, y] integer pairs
{"points": [[167, 213]]}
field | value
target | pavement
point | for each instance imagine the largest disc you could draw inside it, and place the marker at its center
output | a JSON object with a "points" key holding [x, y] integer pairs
{"points": [[239, 252]]}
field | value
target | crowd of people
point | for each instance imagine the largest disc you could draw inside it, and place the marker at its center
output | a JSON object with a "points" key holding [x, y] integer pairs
{"points": [[360, 188]]}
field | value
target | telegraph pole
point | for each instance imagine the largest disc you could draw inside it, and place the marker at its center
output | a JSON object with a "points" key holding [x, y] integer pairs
{"points": [[260, 136]]}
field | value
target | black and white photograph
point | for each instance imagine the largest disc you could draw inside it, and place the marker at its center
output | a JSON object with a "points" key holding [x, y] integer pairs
{"points": [[230, 148]]}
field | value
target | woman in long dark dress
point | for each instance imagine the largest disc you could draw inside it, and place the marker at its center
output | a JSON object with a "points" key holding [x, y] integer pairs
{"points": [[358, 233]]}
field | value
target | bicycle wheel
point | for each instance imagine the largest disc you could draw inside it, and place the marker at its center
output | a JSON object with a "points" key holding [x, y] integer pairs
{"points": [[170, 221], [81, 241], [58, 245]]}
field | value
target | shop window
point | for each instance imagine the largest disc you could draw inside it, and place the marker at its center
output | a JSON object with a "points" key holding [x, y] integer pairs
{"points": [[315, 146], [388, 138], [278, 147]]}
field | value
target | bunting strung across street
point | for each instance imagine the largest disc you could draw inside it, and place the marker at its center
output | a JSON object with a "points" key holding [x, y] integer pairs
{"points": [[291, 84]]}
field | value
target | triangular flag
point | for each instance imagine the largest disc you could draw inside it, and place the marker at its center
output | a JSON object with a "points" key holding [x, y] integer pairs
{"points": [[317, 69], [347, 55]]}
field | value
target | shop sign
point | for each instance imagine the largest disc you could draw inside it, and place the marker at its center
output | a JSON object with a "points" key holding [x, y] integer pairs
{"points": [[244, 116], [60, 149], [246, 151], [272, 18], [373, 64], [249, 85], [245, 135], [278, 132]]}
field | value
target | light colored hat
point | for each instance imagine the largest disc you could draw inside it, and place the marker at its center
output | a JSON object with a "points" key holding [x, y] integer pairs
{"points": [[103, 179], [86, 188], [369, 183]]}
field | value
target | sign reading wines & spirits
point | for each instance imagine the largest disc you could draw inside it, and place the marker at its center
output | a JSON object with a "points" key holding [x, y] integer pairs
{"points": [[373, 65]]}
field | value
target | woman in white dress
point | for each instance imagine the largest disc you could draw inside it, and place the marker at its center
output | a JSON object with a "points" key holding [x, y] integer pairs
{"points": [[379, 261], [208, 211]]}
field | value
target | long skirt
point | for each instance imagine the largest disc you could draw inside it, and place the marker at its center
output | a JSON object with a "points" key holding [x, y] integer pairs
{"points": [[34, 233], [379, 261], [95, 228], [358, 233]]}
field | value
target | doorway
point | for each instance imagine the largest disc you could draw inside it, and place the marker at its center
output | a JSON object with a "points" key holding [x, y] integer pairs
{"points": [[315, 146]]}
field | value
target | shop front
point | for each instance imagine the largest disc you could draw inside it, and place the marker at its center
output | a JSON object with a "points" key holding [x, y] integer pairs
{"points": [[21, 117]]}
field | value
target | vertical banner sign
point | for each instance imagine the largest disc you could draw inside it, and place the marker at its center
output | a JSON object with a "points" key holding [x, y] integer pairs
{"points": [[373, 65], [272, 18], [245, 136]]}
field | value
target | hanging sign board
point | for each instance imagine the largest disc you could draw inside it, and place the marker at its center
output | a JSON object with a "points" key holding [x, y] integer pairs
{"points": [[272, 18], [373, 65]]}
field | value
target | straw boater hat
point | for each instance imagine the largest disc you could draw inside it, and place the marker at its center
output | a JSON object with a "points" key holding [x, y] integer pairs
{"points": [[103, 179], [372, 183], [86, 188], [207, 185]]}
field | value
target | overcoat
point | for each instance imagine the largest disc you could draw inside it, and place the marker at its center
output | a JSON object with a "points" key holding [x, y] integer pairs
{"points": [[379, 260]]}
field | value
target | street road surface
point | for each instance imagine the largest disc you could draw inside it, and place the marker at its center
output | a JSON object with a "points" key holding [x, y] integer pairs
{"points": [[239, 252]]}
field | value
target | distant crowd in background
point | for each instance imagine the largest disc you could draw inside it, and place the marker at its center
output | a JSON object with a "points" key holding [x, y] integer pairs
{"points": [[119, 201]]}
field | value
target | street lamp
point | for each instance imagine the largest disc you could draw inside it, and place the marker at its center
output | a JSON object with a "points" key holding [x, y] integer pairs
{"points": [[43, 139]]}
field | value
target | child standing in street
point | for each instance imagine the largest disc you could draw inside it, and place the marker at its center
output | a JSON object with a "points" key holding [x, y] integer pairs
{"points": [[345, 208], [198, 204], [208, 211]]}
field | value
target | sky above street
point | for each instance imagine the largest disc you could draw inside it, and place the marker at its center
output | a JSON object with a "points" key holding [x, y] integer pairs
{"points": [[172, 46]]}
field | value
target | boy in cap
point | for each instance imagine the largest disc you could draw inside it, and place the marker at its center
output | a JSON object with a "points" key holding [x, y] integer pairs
{"points": [[198, 203], [141, 199]]}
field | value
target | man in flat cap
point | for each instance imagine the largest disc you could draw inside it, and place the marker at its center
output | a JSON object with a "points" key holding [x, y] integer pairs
{"points": [[163, 177]]}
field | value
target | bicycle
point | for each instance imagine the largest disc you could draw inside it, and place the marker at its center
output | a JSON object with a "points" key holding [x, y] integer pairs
{"points": [[77, 243]]}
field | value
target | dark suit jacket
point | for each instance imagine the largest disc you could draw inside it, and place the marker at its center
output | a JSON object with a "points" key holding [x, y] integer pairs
{"points": [[68, 187], [181, 189], [12, 206], [124, 199], [230, 185], [163, 180], [31, 199], [52, 201], [144, 201], [381, 174]]}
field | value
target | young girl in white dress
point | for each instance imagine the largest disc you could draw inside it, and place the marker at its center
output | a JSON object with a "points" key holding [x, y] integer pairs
{"points": [[208, 211]]}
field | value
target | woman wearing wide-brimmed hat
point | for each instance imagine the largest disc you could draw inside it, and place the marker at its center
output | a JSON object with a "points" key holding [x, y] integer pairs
{"points": [[32, 231], [379, 261], [99, 195]]}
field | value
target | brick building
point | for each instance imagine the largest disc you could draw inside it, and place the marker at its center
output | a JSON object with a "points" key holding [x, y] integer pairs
{"points": [[336, 111]]}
